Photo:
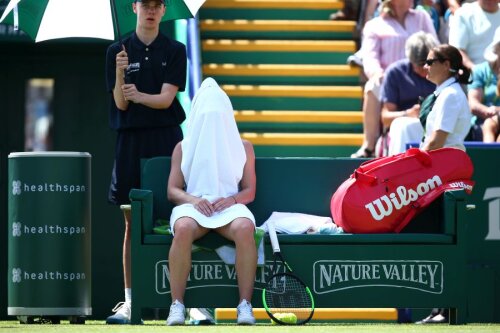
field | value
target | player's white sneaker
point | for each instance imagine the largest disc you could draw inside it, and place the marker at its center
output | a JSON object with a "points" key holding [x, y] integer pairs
{"points": [[177, 314], [245, 313], [122, 314]]}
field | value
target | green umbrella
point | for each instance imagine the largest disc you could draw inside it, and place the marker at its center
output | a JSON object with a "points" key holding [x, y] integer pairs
{"points": [[106, 19]]}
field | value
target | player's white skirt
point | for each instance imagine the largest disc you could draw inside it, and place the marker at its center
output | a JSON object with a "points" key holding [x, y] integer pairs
{"points": [[217, 220]]}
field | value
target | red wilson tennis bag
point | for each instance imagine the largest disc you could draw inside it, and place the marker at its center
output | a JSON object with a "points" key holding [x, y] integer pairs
{"points": [[383, 194]]}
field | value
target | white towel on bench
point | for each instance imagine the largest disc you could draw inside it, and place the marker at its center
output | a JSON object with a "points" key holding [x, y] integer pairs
{"points": [[298, 223]]}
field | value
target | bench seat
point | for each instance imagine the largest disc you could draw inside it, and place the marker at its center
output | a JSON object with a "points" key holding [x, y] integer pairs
{"points": [[213, 239]]}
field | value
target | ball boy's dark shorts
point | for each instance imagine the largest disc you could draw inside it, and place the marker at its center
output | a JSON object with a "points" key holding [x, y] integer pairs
{"points": [[131, 146]]}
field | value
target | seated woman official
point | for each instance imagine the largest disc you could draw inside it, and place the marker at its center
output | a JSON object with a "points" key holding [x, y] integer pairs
{"points": [[448, 122], [211, 180], [445, 115]]}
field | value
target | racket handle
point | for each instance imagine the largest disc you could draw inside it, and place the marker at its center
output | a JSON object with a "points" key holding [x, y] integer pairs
{"points": [[273, 237]]}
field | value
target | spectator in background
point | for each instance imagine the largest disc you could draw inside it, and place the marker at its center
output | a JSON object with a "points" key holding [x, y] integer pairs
{"points": [[491, 130], [484, 91], [404, 83], [384, 39], [430, 8], [451, 6], [356, 10], [472, 29], [349, 12], [448, 9]]}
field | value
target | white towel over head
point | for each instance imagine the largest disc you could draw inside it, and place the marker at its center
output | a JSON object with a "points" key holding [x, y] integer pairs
{"points": [[213, 155]]}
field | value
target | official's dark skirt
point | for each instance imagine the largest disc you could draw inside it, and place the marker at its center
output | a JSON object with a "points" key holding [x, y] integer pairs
{"points": [[131, 146]]}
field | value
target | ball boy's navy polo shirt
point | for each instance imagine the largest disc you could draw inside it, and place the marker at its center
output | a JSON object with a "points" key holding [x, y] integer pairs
{"points": [[163, 61]]}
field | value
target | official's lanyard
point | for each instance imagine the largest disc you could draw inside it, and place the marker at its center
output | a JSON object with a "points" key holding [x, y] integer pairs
{"points": [[428, 105]]}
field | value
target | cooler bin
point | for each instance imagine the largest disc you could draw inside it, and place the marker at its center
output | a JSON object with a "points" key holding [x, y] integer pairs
{"points": [[49, 234]]}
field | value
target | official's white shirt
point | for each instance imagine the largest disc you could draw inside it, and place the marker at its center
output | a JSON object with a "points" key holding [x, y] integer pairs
{"points": [[450, 114]]}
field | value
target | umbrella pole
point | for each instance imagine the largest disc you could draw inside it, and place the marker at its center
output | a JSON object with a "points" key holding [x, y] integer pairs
{"points": [[115, 17]]}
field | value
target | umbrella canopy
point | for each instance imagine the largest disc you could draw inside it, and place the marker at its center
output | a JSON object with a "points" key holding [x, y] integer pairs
{"points": [[52, 19]]}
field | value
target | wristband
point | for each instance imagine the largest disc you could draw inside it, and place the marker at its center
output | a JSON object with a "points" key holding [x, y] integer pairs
{"points": [[234, 199]]}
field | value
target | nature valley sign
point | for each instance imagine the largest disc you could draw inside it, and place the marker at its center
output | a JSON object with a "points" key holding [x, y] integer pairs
{"points": [[211, 273], [335, 275]]}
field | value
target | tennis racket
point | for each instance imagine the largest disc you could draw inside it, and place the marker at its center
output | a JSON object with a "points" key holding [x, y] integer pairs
{"points": [[286, 298]]}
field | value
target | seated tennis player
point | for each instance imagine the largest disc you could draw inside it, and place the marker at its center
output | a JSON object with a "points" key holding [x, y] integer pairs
{"points": [[211, 180]]}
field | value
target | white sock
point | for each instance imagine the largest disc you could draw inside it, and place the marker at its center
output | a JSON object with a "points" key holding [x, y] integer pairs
{"points": [[128, 295]]}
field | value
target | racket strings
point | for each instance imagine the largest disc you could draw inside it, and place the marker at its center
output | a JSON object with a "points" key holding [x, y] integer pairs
{"points": [[286, 294]]}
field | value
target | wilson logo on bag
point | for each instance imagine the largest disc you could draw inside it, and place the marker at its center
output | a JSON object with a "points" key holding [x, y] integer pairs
{"points": [[383, 194], [385, 205]]}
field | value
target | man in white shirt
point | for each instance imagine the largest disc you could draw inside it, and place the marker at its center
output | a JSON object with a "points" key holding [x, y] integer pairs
{"points": [[472, 29]]}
